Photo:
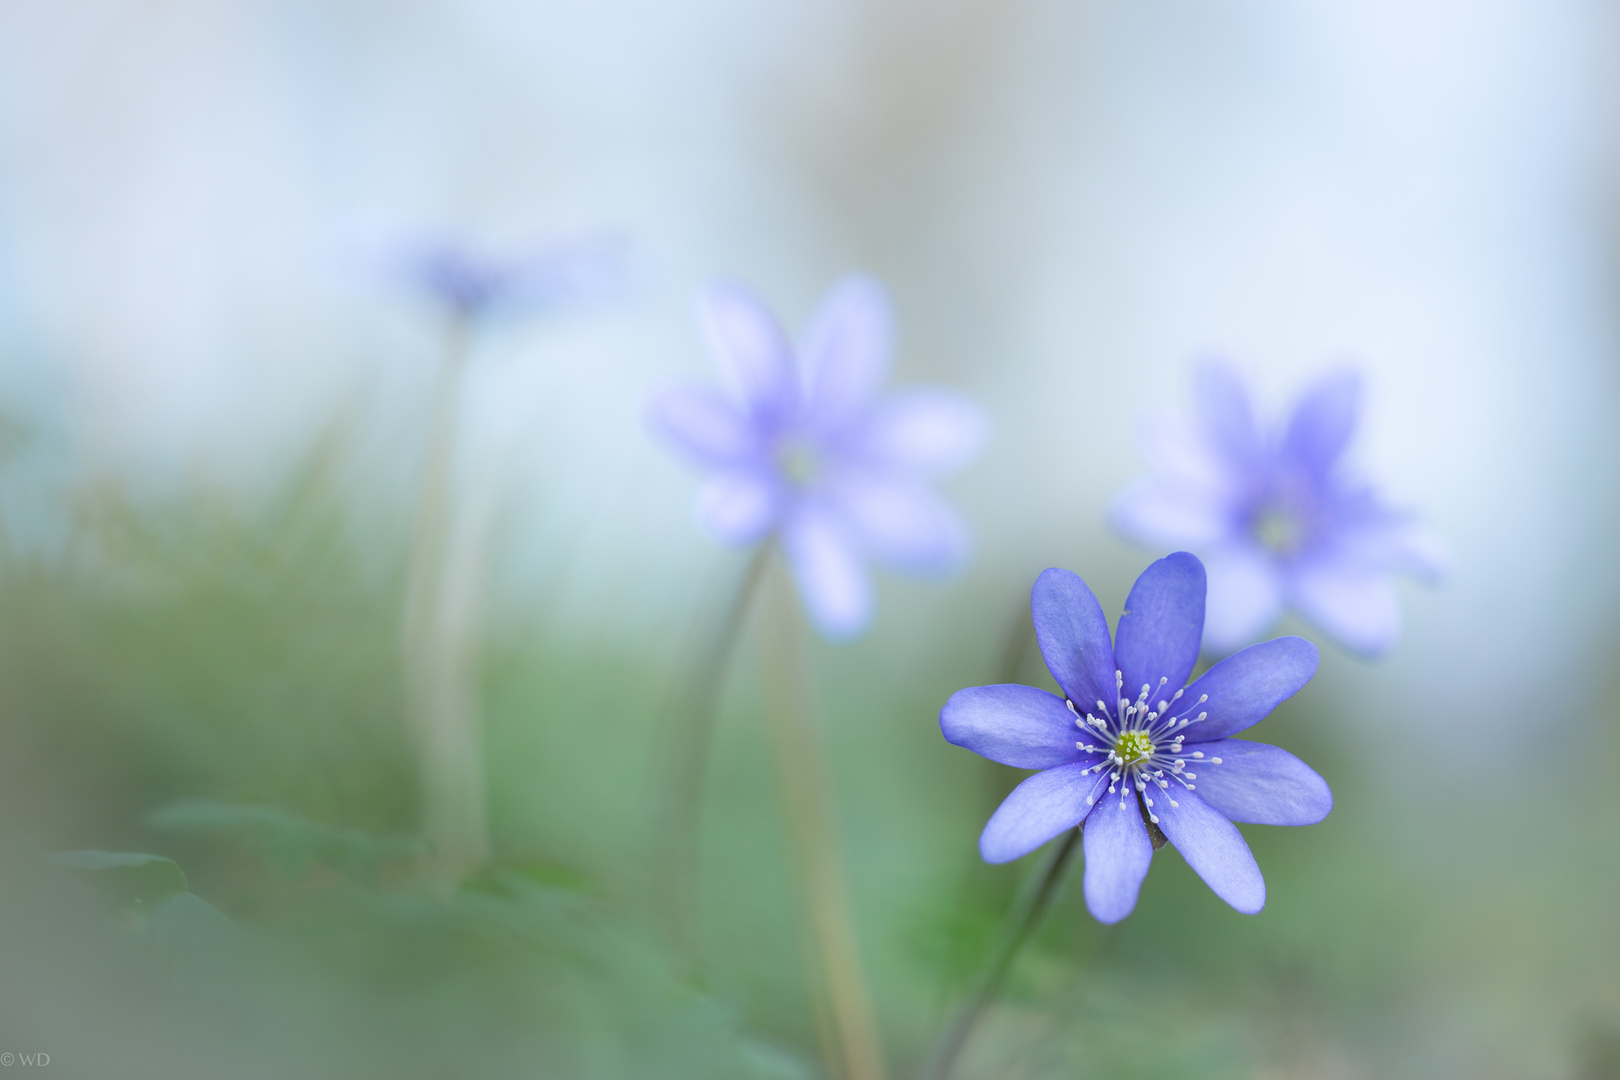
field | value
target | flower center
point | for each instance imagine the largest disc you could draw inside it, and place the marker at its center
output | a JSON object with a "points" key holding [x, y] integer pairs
{"points": [[1141, 743], [1133, 746], [799, 462], [1278, 531]]}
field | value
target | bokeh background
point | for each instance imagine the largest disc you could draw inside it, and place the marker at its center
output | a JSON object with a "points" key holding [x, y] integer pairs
{"points": [[214, 417]]}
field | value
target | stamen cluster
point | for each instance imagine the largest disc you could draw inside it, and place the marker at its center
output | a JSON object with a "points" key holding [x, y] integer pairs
{"points": [[1143, 743]]}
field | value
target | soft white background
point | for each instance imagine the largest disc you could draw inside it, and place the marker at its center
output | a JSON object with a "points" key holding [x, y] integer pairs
{"points": [[1069, 201]]}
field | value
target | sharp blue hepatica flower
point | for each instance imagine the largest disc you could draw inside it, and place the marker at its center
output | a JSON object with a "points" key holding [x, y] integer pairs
{"points": [[1275, 515], [1129, 742], [808, 450]]}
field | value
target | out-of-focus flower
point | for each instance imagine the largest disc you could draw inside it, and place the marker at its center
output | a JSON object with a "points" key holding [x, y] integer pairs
{"points": [[1277, 518], [806, 448], [1148, 750], [531, 278]]}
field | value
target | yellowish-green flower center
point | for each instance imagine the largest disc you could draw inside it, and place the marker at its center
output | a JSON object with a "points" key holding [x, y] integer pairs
{"points": [[1133, 746], [799, 462], [1277, 530]]}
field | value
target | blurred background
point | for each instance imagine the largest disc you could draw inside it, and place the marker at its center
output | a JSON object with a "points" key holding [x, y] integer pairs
{"points": [[215, 411]]}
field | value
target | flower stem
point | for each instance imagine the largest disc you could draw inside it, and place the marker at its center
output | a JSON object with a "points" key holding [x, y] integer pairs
{"points": [[439, 643], [683, 756], [1034, 909], [804, 784]]}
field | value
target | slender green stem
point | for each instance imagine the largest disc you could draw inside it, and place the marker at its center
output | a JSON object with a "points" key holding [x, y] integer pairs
{"points": [[683, 756], [439, 639], [1020, 632], [804, 783], [1029, 917]]}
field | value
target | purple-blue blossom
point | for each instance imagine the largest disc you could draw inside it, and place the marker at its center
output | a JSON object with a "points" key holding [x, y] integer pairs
{"points": [[1278, 518], [806, 448], [1130, 744], [534, 277]]}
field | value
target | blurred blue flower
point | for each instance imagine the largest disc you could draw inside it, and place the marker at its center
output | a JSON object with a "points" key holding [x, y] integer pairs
{"points": [[1149, 749], [531, 278], [1277, 518], [807, 450]]}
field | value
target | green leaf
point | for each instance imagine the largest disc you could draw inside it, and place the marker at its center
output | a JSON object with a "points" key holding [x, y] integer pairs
{"points": [[126, 879]]}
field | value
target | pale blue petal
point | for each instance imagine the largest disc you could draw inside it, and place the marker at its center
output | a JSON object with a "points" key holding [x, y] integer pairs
{"points": [[1260, 784], [699, 423], [1152, 513], [1162, 625], [1118, 853], [1245, 596], [906, 527], [1045, 805], [1073, 636], [749, 345], [924, 431], [827, 567], [1353, 604], [1015, 725], [1225, 415], [845, 350], [1323, 422], [1244, 688], [740, 506], [1212, 846]]}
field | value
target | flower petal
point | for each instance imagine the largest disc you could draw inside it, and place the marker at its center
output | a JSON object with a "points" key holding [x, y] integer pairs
{"points": [[1261, 784], [910, 529], [1073, 636], [827, 567], [1021, 726], [1245, 596], [1045, 805], [845, 351], [746, 340], [739, 506], [1323, 421], [1224, 414], [1352, 603], [701, 424], [1162, 625], [1118, 853], [1212, 846], [924, 431], [1150, 512], [1246, 686]]}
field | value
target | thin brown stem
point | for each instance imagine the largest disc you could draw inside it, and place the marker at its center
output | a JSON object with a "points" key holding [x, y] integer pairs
{"points": [[805, 787]]}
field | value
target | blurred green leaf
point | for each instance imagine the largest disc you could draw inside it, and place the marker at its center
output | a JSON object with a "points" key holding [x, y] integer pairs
{"points": [[126, 879]]}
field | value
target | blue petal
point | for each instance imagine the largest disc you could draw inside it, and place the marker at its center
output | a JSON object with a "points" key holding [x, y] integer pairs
{"points": [[1046, 805], [1245, 596], [905, 526], [1323, 421], [1260, 784], [923, 432], [1152, 512], [740, 506], [845, 350], [1212, 846], [1163, 622], [1225, 416], [1354, 604], [701, 424], [828, 570], [1073, 635], [1021, 726], [746, 340], [1118, 853], [1246, 686]]}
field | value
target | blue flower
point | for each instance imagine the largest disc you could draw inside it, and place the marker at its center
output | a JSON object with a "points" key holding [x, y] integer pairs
{"points": [[532, 278], [806, 449], [1128, 744], [1278, 519]]}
